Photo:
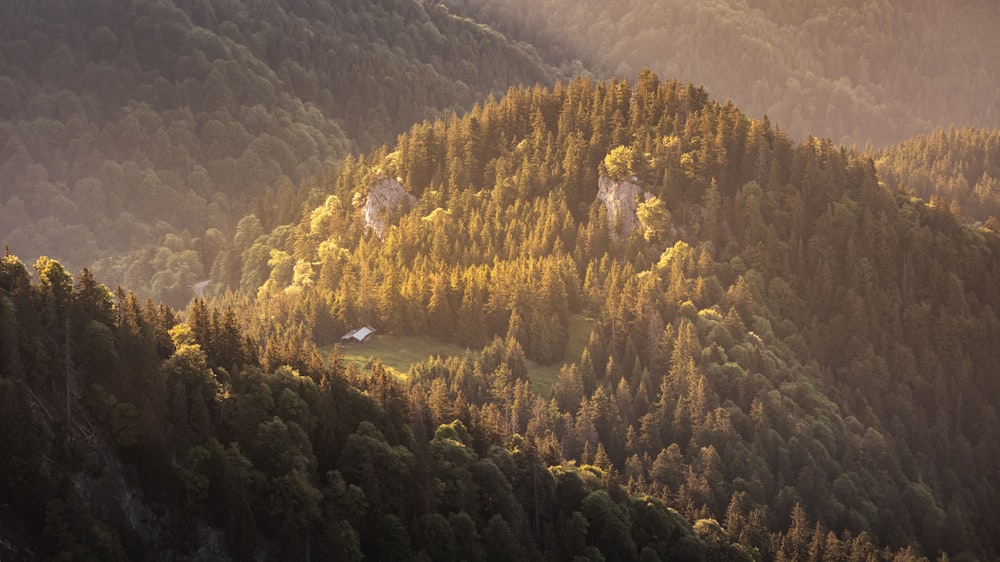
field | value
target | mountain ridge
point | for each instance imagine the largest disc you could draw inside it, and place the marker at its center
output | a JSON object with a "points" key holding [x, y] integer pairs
{"points": [[858, 72], [779, 307], [144, 127], [792, 357]]}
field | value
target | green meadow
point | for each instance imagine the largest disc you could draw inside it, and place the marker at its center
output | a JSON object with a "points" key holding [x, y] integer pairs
{"points": [[397, 353]]}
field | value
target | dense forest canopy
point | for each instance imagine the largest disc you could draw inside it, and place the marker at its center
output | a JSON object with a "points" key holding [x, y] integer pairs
{"points": [[777, 326], [959, 167], [792, 356], [856, 71], [132, 132]]}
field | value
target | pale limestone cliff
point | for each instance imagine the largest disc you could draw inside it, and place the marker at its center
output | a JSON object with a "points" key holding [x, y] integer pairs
{"points": [[386, 199], [621, 200]]}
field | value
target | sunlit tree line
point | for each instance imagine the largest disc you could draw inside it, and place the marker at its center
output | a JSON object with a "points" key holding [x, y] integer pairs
{"points": [[796, 332]]}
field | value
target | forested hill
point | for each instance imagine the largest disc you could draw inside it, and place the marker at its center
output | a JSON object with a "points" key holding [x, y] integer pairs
{"points": [[959, 167], [122, 122], [781, 341], [854, 71], [128, 435]]}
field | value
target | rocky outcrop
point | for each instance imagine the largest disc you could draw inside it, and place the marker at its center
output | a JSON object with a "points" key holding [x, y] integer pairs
{"points": [[621, 200], [387, 199]]}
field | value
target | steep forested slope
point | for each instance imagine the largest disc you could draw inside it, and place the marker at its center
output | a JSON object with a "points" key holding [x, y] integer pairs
{"points": [[856, 71], [790, 359], [123, 122], [781, 341], [130, 435], [953, 166]]}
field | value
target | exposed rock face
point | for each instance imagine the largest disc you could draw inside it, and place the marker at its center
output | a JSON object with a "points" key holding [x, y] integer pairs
{"points": [[386, 198], [621, 200]]}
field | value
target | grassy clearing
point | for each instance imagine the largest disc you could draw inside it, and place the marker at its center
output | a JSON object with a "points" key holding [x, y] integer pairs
{"points": [[399, 352]]}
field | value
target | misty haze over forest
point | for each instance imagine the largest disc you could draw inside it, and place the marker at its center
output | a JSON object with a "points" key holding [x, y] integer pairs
{"points": [[638, 280], [858, 72]]}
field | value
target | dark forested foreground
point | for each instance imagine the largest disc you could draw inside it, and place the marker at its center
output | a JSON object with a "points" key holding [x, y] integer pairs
{"points": [[789, 361], [128, 434], [131, 132]]}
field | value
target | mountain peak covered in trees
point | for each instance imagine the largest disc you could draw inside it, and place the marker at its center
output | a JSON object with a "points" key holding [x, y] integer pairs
{"points": [[783, 331], [790, 355], [133, 132]]}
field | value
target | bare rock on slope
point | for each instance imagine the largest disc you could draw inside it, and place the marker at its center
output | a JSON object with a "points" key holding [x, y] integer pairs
{"points": [[387, 200], [621, 200]]}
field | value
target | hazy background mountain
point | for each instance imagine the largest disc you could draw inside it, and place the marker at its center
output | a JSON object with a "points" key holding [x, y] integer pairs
{"points": [[123, 122], [856, 71], [134, 135], [797, 359]]}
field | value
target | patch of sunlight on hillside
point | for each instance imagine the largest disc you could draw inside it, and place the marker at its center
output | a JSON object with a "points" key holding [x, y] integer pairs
{"points": [[399, 352]]}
